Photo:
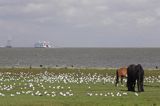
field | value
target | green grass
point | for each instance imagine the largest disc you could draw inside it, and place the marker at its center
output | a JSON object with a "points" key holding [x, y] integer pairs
{"points": [[151, 96]]}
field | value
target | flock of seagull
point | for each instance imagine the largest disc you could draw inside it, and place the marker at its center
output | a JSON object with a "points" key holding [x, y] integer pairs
{"points": [[52, 85]]}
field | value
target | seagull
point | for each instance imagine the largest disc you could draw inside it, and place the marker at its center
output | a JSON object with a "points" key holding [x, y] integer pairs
{"points": [[136, 94]]}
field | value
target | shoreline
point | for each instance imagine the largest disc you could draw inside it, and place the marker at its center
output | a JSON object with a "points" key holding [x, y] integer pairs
{"points": [[69, 67]]}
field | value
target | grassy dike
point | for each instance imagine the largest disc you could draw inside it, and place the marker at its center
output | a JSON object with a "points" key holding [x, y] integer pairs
{"points": [[73, 87]]}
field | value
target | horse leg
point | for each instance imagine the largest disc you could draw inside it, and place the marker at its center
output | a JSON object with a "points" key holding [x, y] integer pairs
{"points": [[122, 80], [139, 85], [129, 84], [133, 86], [117, 78], [117, 81], [142, 89]]}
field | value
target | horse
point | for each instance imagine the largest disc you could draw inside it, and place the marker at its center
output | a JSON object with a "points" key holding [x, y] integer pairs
{"points": [[122, 73], [135, 74]]}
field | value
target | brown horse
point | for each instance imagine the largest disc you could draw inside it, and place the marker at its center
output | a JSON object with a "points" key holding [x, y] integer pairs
{"points": [[122, 73]]}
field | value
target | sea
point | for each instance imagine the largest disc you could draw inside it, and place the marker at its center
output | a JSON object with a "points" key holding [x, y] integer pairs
{"points": [[79, 57]]}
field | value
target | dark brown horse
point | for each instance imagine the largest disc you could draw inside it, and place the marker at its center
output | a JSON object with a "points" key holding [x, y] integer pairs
{"points": [[122, 73]]}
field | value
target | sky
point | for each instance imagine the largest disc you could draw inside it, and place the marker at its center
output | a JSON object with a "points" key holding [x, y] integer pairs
{"points": [[80, 23]]}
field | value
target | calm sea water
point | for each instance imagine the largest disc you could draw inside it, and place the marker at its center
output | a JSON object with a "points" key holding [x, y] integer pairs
{"points": [[79, 57]]}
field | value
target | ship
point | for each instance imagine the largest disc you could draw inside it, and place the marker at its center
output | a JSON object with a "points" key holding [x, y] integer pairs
{"points": [[42, 44]]}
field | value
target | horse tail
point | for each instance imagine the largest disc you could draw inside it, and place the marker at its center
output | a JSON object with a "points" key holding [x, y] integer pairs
{"points": [[117, 77]]}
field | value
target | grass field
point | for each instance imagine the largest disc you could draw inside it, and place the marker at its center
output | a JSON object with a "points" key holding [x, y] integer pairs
{"points": [[73, 87]]}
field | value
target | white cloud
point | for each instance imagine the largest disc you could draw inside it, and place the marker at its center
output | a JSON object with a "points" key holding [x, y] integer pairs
{"points": [[146, 21], [157, 10], [32, 7], [103, 15], [93, 12]]}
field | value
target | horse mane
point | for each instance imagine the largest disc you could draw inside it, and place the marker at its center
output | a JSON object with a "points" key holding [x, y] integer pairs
{"points": [[140, 66]]}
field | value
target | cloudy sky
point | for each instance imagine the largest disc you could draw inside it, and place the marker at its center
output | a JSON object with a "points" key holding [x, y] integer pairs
{"points": [[81, 23]]}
